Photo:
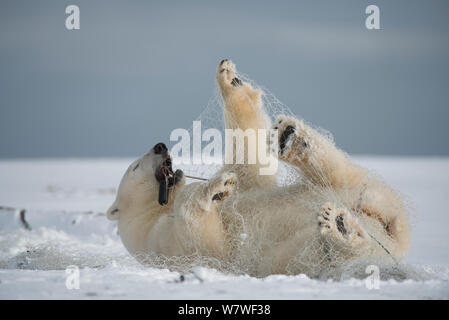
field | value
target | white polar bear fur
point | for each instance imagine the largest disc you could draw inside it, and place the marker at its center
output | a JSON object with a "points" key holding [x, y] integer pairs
{"points": [[259, 227]]}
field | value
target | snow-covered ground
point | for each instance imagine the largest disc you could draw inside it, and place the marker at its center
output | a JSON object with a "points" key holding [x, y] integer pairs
{"points": [[65, 201]]}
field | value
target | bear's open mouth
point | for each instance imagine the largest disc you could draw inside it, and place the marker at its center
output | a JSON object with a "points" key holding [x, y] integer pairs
{"points": [[164, 175], [165, 170]]}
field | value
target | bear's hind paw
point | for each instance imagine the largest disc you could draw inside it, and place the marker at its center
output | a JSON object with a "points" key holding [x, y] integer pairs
{"points": [[338, 225], [224, 187]]}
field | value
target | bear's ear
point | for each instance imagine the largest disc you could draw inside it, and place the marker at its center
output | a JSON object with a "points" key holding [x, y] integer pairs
{"points": [[113, 212]]}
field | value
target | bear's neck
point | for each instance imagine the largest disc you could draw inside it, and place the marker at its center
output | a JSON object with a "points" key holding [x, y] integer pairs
{"points": [[135, 225]]}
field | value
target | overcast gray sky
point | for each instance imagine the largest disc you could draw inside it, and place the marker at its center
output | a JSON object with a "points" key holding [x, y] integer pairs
{"points": [[138, 69]]}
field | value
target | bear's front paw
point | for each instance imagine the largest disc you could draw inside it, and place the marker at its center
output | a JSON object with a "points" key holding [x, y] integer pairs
{"points": [[224, 186], [226, 74], [178, 178], [292, 142]]}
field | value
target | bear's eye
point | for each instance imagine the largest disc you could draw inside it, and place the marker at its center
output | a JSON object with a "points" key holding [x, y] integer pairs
{"points": [[136, 167], [222, 70]]}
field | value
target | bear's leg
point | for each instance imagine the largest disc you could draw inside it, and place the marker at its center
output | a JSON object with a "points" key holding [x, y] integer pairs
{"points": [[217, 189], [384, 206], [200, 225], [243, 109], [317, 157], [326, 166], [341, 229]]}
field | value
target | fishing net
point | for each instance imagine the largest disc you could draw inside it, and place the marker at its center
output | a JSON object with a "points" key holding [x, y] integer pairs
{"points": [[270, 223]]}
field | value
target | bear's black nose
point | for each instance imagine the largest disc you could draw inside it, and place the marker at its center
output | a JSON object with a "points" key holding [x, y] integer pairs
{"points": [[223, 61], [159, 148]]}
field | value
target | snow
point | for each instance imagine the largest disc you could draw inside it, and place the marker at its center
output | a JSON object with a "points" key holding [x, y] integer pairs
{"points": [[65, 201]]}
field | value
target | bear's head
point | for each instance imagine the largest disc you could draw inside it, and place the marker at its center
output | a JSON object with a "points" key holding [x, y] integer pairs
{"points": [[148, 183]]}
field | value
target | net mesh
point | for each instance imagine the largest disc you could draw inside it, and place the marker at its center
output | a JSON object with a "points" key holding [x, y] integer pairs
{"points": [[269, 224]]}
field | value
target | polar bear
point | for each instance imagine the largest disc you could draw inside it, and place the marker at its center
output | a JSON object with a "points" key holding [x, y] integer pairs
{"points": [[335, 213]]}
